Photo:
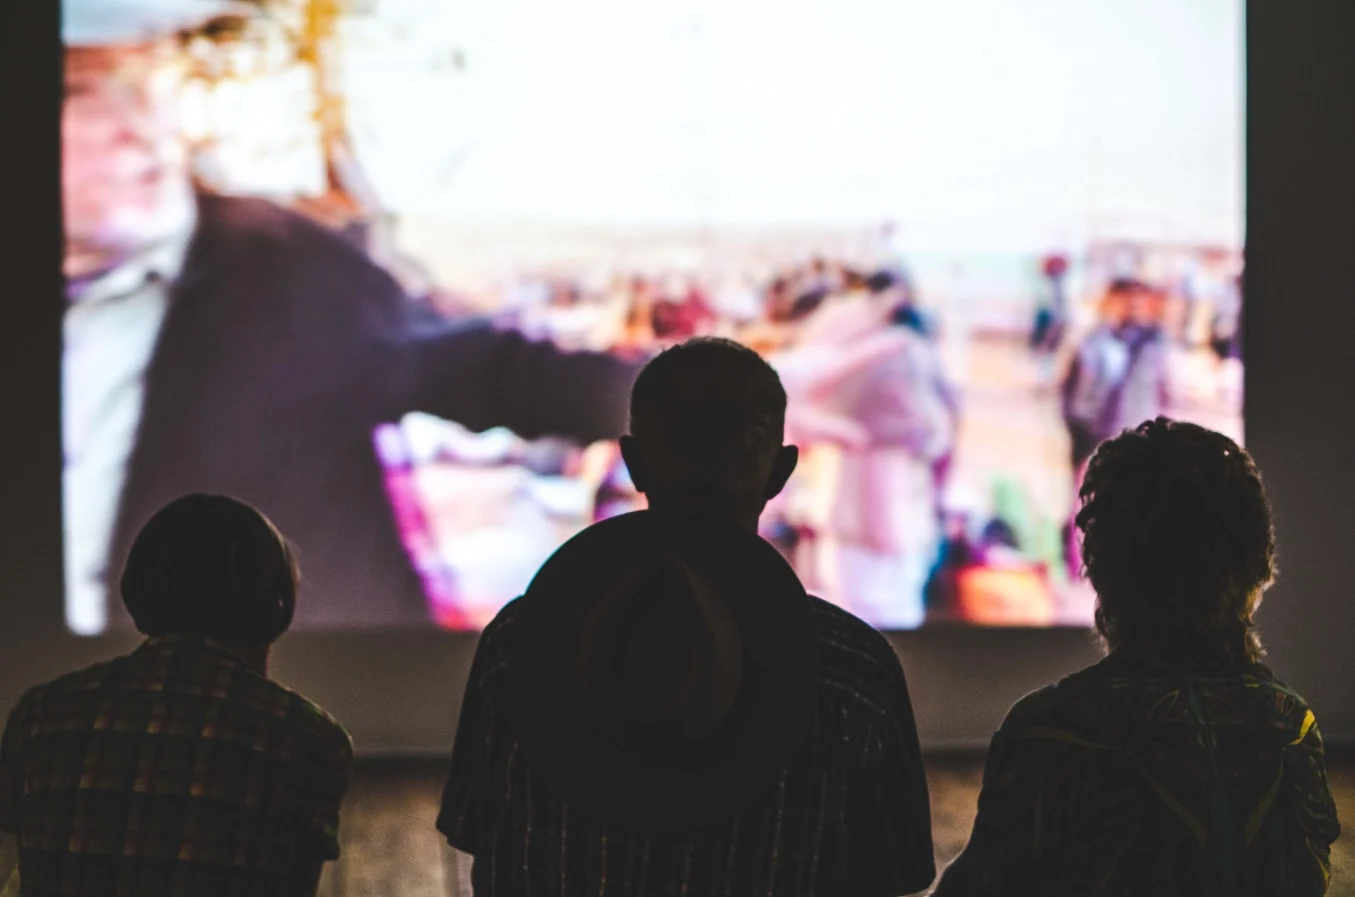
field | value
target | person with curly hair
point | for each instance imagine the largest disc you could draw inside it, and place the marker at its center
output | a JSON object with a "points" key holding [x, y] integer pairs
{"points": [[1179, 764]]}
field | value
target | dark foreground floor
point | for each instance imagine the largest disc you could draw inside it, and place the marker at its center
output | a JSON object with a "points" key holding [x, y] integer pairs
{"points": [[390, 848]]}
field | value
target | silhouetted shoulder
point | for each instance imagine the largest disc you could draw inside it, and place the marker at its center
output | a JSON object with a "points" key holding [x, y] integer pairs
{"points": [[202, 678], [1105, 701], [312, 720], [504, 619], [79, 681], [500, 628], [841, 627], [1057, 703], [857, 661], [491, 651]]}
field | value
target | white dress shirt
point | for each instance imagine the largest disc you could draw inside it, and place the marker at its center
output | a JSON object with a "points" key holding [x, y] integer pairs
{"points": [[110, 331]]}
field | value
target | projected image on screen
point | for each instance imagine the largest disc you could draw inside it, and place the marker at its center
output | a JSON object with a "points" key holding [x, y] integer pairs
{"points": [[386, 268]]}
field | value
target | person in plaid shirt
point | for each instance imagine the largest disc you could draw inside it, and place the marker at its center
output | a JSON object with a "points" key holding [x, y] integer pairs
{"points": [[665, 711], [181, 768]]}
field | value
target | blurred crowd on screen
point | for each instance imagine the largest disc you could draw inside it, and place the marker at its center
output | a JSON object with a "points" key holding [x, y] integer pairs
{"points": [[877, 519]]}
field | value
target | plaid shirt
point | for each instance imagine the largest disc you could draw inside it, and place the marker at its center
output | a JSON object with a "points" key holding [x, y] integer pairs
{"points": [[171, 771], [1116, 782], [849, 816]]}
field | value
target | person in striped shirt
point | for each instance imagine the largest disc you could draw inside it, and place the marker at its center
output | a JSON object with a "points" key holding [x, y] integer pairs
{"points": [[665, 710]]}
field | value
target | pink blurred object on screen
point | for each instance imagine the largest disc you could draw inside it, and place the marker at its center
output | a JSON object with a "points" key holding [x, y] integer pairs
{"points": [[439, 581]]}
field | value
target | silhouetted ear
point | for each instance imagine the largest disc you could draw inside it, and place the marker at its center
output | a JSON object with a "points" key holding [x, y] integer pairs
{"points": [[631, 454], [787, 456]]}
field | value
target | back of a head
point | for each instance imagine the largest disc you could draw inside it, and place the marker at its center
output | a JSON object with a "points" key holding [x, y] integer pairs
{"points": [[214, 566], [709, 415], [1179, 543]]}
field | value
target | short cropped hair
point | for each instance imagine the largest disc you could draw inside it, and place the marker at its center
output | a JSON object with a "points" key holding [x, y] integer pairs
{"points": [[213, 566], [1179, 543], [710, 415]]}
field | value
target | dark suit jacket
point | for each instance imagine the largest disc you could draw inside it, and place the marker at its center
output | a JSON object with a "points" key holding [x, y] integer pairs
{"points": [[282, 348]]}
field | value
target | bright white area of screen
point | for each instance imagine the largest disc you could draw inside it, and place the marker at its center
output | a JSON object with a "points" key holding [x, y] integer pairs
{"points": [[978, 125]]}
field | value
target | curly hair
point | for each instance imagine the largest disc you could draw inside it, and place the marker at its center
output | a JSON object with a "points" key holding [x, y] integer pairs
{"points": [[711, 414], [1179, 543]]}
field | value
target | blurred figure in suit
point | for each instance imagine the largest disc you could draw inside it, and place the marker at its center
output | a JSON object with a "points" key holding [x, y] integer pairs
{"points": [[229, 345]]}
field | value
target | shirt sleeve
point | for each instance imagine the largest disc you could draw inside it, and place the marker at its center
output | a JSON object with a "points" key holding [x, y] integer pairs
{"points": [[11, 768], [465, 796], [327, 780], [892, 825], [999, 845], [1313, 814]]}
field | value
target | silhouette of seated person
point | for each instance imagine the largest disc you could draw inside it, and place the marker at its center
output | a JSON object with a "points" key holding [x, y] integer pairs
{"points": [[181, 768], [1179, 764], [665, 710]]}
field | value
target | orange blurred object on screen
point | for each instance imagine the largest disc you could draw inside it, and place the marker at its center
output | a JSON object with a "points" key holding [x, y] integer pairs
{"points": [[1005, 596]]}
